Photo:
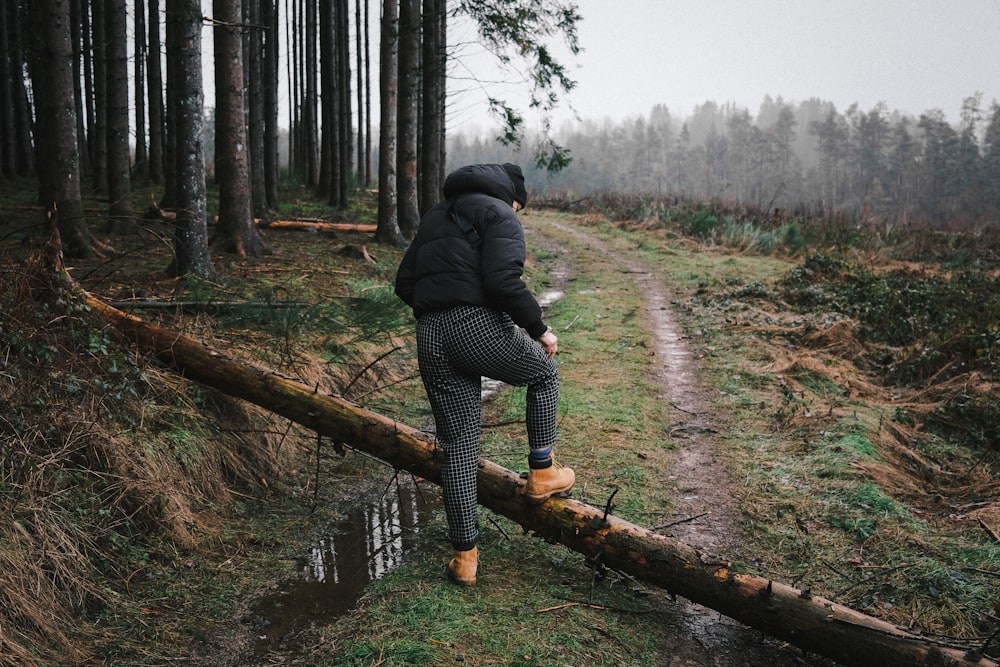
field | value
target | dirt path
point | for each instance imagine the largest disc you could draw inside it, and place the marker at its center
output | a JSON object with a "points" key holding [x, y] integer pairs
{"points": [[704, 486]]}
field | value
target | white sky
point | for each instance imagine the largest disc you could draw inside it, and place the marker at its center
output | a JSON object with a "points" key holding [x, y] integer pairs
{"points": [[914, 55]]}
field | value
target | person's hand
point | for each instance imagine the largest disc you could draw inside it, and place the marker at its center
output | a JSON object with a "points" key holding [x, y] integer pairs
{"points": [[549, 343]]}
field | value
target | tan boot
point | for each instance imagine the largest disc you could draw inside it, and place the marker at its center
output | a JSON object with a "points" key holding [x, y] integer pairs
{"points": [[546, 482], [462, 568]]}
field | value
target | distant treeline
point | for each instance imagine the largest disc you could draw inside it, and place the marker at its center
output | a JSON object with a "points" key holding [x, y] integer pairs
{"points": [[877, 164]]}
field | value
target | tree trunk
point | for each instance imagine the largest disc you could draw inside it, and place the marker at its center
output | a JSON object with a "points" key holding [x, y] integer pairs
{"points": [[77, 10], [432, 122], [154, 94], [388, 222], [812, 623], [328, 169], [139, 73], [408, 211], [368, 103], [236, 233], [58, 151], [8, 165], [344, 155], [23, 123], [269, 17], [310, 102], [184, 80], [98, 135], [118, 151], [254, 84], [171, 111], [360, 33], [292, 38]]}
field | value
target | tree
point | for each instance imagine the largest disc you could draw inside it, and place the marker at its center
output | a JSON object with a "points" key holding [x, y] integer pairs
{"points": [[97, 136], [335, 163], [388, 224], [58, 155], [79, 32], [310, 122], [139, 77], [940, 154], [832, 133], [8, 165], [116, 108], [991, 159], [742, 138], [434, 63], [344, 155], [154, 91], [363, 93], [237, 232], [269, 61], [518, 29], [184, 89], [255, 84], [368, 105], [901, 168], [407, 206]]}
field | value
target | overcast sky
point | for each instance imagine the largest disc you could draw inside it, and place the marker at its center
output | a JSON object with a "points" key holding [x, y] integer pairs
{"points": [[914, 55]]}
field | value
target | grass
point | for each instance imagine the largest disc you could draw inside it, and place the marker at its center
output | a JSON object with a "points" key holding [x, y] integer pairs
{"points": [[820, 507], [213, 502], [823, 476]]}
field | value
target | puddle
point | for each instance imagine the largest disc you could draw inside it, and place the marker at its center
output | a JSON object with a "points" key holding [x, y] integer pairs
{"points": [[371, 542], [548, 298]]}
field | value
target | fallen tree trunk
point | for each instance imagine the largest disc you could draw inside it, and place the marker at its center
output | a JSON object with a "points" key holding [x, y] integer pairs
{"points": [[317, 226], [205, 306], [154, 212], [812, 623]]}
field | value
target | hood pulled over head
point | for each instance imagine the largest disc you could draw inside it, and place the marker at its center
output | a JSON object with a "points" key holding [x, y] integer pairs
{"points": [[487, 179]]}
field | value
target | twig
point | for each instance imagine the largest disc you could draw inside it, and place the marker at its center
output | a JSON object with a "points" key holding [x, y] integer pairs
{"points": [[241, 495], [677, 407], [680, 521], [150, 304], [609, 506], [367, 368], [989, 531], [876, 575], [571, 604], [499, 527]]}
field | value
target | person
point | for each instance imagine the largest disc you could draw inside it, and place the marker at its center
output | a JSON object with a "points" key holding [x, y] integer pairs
{"points": [[463, 277]]}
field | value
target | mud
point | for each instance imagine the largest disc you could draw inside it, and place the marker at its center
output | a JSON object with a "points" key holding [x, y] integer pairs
{"points": [[706, 506]]}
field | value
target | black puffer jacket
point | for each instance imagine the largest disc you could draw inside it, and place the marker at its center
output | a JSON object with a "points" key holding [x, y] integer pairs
{"points": [[442, 268]]}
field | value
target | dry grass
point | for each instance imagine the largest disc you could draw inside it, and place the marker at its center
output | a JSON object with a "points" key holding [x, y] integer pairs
{"points": [[81, 499]]}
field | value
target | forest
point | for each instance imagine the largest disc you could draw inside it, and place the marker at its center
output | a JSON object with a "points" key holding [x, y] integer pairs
{"points": [[74, 112], [311, 64], [877, 165], [822, 424]]}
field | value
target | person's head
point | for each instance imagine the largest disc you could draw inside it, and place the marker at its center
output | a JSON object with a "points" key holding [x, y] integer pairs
{"points": [[520, 191]]}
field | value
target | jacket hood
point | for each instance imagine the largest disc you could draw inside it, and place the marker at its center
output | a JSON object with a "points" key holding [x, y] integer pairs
{"points": [[487, 179]]}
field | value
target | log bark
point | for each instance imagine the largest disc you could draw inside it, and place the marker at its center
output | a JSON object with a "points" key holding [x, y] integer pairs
{"points": [[809, 622], [311, 226], [206, 306], [154, 212]]}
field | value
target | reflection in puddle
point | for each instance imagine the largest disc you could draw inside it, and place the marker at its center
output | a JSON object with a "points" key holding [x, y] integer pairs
{"points": [[369, 543]]}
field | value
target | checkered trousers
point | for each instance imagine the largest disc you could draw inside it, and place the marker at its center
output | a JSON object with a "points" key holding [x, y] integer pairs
{"points": [[455, 348]]}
